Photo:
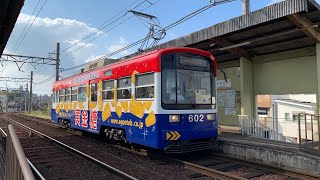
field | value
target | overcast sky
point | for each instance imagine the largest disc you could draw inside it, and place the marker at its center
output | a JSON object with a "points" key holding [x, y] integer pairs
{"points": [[69, 21]]}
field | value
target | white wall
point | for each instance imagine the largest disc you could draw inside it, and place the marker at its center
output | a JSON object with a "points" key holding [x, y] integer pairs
{"points": [[290, 128]]}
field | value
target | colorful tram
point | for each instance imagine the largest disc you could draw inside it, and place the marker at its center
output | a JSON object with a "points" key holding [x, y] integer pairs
{"points": [[164, 100]]}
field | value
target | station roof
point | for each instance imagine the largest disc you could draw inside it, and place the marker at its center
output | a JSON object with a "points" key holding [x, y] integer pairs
{"points": [[284, 26], [9, 12]]}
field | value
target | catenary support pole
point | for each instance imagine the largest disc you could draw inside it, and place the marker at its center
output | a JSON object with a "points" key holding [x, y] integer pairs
{"points": [[30, 95], [26, 98], [245, 7], [57, 61]]}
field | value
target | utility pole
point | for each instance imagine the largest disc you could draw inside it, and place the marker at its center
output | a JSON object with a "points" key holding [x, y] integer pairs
{"points": [[26, 98], [40, 103], [245, 7], [30, 95], [57, 61]]}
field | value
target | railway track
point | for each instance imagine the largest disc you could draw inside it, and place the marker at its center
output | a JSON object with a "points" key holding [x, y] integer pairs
{"points": [[56, 160], [141, 167], [201, 172], [214, 166], [238, 169]]}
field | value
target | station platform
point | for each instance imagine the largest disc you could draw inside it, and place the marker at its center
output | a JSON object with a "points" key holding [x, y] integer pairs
{"points": [[236, 137], [283, 155]]}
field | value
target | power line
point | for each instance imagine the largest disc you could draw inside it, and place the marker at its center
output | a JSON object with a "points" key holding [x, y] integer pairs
{"points": [[104, 25], [22, 32], [24, 36], [110, 29], [170, 26], [48, 79]]}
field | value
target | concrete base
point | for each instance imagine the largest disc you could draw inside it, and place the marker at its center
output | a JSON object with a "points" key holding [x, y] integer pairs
{"points": [[232, 129], [279, 158]]}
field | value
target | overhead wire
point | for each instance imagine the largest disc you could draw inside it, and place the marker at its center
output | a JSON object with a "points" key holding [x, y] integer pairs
{"points": [[109, 30], [170, 26], [25, 34], [183, 19], [101, 35], [48, 79], [104, 25], [23, 30]]}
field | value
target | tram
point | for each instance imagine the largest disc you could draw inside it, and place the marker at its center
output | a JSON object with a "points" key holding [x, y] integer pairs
{"points": [[164, 99]]}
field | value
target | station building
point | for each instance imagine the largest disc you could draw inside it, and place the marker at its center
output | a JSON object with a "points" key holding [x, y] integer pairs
{"points": [[274, 50]]}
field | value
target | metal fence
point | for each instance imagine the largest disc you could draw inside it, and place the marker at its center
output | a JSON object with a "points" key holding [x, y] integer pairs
{"points": [[303, 130], [17, 167], [309, 131], [250, 126]]}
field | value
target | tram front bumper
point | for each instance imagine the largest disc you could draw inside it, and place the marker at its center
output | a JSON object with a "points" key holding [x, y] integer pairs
{"points": [[183, 141]]}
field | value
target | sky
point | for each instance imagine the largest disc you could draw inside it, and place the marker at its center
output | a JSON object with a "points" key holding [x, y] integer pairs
{"points": [[68, 22]]}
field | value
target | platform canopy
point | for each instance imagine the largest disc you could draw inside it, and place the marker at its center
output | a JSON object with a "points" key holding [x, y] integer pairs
{"points": [[288, 25], [9, 12]]}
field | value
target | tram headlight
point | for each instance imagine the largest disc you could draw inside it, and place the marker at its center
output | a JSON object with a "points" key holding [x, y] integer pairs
{"points": [[174, 118], [210, 117]]}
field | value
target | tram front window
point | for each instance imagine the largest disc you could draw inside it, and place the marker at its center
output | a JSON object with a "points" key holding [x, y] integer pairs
{"points": [[188, 88]]}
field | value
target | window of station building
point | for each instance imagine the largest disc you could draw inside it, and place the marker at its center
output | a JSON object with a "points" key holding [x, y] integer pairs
{"points": [[287, 116], [82, 96], [108, 90], [68, 96], [94, 92], [124, 88], [295, 117], [74, 93], [61, 95], [145, 86]]}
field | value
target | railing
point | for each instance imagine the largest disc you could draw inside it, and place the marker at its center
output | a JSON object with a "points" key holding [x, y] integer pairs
{"points": [[309, 131], [17, 167], [250, 126]]}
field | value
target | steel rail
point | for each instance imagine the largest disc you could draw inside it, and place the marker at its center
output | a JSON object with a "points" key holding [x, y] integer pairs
{"points": [[108, 167], [34, 169], [77, 133], [207, 171], [3, 132]]}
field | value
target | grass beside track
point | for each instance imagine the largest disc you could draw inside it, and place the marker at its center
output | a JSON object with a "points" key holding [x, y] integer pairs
{"points": [[41, 114]]}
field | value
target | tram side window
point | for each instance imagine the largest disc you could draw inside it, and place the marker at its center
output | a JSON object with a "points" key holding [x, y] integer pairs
{"points": [[107, 90], [169, 93], [82, 94], [74, 91], [57, 96], [145, 86], [53, 97], [68, 98], [94, 92], [124, 88], [61, 95]]}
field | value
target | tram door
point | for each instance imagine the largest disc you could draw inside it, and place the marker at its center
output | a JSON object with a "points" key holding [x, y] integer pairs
{"points": [[93, 95], [92, 103]]}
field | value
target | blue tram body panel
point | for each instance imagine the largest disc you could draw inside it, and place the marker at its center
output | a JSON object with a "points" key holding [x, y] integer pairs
{"points": [[156, 136]]}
